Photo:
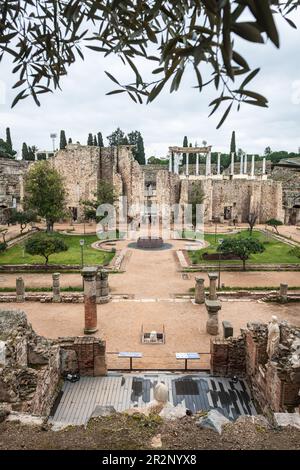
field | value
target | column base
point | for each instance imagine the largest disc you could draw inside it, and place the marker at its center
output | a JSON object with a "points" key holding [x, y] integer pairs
{"points": [[56, 300], [212, 327], [103, 300], [90, 331]]}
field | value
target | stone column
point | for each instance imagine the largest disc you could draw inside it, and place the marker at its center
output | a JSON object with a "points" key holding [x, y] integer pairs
{"points": [[90, 306], [219, 164], [20, 289], [245, 164], [253, 166], [232, 163], [208, 164], [187, 155], [176, 170], [283, 292], [264, 166], [197, 164], [199, 290], [241, 164], [55, 287], [102, 287], [212, 324], [213, 286], [170, 163]]}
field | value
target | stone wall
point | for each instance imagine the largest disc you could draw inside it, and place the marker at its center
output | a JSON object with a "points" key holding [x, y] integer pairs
{"points": [[32, 367], [275, 383], [11, 185]]}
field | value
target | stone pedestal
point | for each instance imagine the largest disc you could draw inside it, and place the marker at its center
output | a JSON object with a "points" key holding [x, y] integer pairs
{"points": [[102, 287], [283, 292], [199, 290], [212, 324], [90, 306], [213, 286], [20, 289], [55, 287]]}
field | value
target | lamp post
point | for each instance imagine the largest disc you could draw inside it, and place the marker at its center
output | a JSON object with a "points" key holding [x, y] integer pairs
{"points": [[220, 241], [81, 242]]}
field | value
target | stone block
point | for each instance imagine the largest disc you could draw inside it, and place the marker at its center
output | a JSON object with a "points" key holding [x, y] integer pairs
{"points": [[227, 329], [283, 420], [213, 420]]}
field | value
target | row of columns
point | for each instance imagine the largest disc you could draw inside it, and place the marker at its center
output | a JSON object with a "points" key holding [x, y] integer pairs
{"points": [[175, 158]]}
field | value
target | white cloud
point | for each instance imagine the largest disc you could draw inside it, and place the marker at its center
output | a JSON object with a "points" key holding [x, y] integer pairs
{"points": [[82, 106]]}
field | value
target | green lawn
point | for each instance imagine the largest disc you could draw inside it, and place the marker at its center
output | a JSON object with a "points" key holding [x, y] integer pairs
{"points": [[275, 252], [16, 255]]}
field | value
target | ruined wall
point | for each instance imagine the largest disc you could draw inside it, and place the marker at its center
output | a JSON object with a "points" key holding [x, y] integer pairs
{"points": [[275, 383], [31, 367], [240, 195], [11, 185], [29, 370]]}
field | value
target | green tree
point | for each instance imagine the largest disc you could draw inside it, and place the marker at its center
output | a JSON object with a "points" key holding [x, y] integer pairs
{"points": [[196, 198], [45, 245], [95, 142], [25, 154], [185, 144], [69, 140], [62, 140], [135, 138], [242, 247], [233, 144], [100, 139], [251, 220], [45, 193], [105, 194], [6, 151], [90, 140], [274, 223], [23, 218], [8, 138], [267, 151], [117, 137]]}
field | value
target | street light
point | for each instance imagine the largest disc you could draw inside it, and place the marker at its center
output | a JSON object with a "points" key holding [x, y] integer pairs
{"points": [[220, 241], [81, 242]]}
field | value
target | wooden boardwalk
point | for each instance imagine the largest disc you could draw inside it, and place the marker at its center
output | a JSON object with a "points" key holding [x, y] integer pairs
{"points": [[194, 391]]}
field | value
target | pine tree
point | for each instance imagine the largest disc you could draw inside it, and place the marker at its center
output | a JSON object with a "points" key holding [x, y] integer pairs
{"points": [[117, 138], [70, 140], [63, 140], [95, 142], [100, 140], [8, 138], [90, 140], [24, 151]]}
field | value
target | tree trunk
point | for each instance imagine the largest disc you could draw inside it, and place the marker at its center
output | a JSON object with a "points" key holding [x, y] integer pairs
{"points": [[49, 226], [244, 265]]}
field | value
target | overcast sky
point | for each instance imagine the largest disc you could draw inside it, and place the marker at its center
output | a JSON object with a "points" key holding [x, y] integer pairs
{"points": [[82, 106]]}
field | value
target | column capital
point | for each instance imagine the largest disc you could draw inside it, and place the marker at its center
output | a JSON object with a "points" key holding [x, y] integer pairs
{"points": [[213, 276], [55, 275], [89, 272], [199, 280]]}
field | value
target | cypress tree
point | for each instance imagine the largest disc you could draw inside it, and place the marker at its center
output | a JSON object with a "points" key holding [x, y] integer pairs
{"points": [[185, 144], [90, 140], [100, 140], [95, 142], [63, 140], [232, 143], [25, 153], [70, 140], [8, 138]]}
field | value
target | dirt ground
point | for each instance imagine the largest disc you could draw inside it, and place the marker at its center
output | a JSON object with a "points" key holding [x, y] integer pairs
{"points": [[120, 324], [132, 433]]}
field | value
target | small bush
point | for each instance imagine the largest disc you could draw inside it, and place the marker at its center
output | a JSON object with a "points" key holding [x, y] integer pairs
{"points": [[3, 247]]}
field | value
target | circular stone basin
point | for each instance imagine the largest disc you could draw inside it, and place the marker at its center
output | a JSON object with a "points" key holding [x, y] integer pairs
{"points": [[150, 242]]}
